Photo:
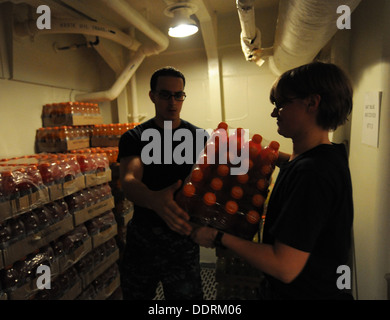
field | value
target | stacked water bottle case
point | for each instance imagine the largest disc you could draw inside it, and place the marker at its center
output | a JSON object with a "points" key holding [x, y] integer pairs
{"points": [[57, 220], [228, 186], [234, 203], [67, 126], [61, 221], [76, 125]]}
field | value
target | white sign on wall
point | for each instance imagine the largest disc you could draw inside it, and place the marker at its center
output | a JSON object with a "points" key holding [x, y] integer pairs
{"points": [[371, 114]]}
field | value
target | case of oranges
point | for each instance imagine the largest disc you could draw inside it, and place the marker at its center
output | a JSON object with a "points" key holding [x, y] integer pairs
{"points": [[229, 183]]}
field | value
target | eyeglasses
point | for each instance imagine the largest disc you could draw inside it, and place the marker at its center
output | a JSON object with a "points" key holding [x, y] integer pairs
{"points": [[166, 95], [279, 105]]}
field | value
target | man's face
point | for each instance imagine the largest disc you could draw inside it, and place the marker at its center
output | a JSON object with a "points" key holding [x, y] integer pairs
{"points": [[167, 109]]}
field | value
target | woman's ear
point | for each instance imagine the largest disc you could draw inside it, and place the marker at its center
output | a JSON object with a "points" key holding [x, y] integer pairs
{"points": [[313, 101]]}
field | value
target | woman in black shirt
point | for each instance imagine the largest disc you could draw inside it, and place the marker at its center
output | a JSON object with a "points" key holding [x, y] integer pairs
{"points": [[307, 231]]}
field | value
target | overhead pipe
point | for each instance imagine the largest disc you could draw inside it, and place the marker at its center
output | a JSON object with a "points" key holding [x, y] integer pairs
{"points": [[135, 116], [160, 44], [304, 27], [133, 17], [76, 46], [250, 35], [84, 27], [120, 83]]}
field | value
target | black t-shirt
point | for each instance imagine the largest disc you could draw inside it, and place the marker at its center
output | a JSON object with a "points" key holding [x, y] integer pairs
{"points": [[311, 209], [167, 155]]}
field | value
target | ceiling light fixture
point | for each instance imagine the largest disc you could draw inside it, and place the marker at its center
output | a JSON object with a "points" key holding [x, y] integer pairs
{"points": [[182, 25]]}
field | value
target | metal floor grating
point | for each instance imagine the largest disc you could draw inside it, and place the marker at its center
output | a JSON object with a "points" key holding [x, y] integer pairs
{"points": [[207, 274]]}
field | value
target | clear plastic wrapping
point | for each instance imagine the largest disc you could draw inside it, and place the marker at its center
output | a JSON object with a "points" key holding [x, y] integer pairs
{"points": [[37, 211], [63, 138], [100, 223], [229, 183], [70, 113], [108, 135]]}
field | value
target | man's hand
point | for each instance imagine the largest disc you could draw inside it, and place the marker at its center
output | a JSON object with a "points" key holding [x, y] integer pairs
{"points": [[166, 207], [204, 236]]}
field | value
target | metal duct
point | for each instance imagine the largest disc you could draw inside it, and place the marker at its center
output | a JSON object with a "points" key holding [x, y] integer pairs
{"points": [[304, 27], [250, 35]]}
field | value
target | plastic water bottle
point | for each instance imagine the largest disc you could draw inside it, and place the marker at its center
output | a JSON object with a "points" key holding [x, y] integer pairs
{"points": [[206, 211], [227, 218]]}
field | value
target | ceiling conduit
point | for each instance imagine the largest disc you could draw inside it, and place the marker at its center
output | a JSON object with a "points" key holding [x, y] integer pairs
{"points": [[133, 17], [304, 27], [88, 28], [250, 35], [83, 27]]}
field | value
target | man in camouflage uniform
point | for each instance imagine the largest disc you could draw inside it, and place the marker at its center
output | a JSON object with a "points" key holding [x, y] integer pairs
{"points": [[158, 246]]}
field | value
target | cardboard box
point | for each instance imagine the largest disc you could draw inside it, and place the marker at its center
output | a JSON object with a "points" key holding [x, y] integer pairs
{"points": [[108, 290], [61, 190], [77, 144], [27, 245], [24, 292], [39, 197], [55, 268], [73, 186], [70, 259], [72, 120], [19, 205], [85, 120], [110, 141], [102, 237], [125, 219], [64, 145], [7, 208], [94, 179], [29, 289], [56, 191], [23, 203], [73, 292], [99, 269], [93, 211]]}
